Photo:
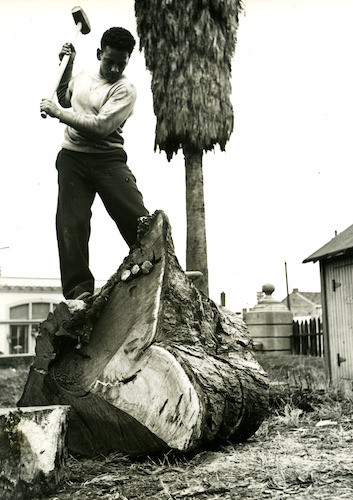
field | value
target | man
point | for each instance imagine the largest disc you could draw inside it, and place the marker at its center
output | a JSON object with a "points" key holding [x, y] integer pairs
{"points": [[92, 159]]}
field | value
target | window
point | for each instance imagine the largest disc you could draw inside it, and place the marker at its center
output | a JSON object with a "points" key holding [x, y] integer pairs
{"points": [[18, 339], [20, 312], [40, 310], [24, 325]]}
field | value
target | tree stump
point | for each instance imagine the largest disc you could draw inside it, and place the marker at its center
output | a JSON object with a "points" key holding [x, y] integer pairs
{"points": [[150, 364], [32, 450]]}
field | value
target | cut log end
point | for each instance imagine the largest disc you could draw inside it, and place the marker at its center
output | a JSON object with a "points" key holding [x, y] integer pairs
{"points": [[33, 450]]}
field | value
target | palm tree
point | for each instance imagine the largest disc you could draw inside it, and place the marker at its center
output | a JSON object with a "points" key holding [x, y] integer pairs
{"points": [[188, 47]]}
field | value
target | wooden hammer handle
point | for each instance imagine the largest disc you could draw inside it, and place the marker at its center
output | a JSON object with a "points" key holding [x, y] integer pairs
{"points": [[62, 67]]}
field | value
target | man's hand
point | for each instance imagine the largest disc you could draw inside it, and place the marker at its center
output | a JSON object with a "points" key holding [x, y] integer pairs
{"points": [[50, 108], [69, 50]]}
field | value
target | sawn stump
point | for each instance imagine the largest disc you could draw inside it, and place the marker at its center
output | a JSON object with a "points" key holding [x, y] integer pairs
{"points": [[150, 363]]}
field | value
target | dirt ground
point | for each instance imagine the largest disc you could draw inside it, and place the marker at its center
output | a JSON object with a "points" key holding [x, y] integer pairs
{"points": [[303, 450]]}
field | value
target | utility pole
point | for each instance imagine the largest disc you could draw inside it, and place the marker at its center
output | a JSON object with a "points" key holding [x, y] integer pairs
{"points": [[288, 299]]}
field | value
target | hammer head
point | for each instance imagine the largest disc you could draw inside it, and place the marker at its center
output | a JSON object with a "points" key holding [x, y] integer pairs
{"points": [[80, 17]]}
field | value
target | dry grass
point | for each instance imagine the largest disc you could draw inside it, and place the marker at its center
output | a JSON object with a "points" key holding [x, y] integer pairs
{"points": [[289, 457], [11, 384], [303, 450]]}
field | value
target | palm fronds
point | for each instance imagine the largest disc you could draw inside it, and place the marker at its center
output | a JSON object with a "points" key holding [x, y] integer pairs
{"points": [[188, 46]]}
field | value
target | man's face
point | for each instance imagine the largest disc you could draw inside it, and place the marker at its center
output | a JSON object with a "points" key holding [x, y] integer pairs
{"points": [[112, 63]]}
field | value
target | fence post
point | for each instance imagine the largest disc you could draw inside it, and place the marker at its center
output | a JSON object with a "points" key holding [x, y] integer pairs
{"points": [[295, 338], [305, 338], [313, 337]]}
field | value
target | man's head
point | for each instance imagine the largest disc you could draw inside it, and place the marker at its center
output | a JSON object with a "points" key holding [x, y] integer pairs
{"points": [[117, 45]]}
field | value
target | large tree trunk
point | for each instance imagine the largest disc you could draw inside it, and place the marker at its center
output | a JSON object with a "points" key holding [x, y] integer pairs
{"points": [[160, 366], [196, 244]]}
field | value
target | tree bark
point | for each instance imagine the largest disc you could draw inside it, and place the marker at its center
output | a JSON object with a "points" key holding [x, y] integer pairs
{"points": [[161, 366], [196, 243]]}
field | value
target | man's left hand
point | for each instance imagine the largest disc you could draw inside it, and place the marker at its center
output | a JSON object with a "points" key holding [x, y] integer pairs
{"points": [[50, 108]]}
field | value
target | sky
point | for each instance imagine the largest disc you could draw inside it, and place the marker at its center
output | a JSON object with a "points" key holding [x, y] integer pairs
{"points": [[278, 193]]}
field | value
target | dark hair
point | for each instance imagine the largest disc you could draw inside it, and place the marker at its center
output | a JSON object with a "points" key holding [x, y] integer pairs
{"points": [[118, 38]]}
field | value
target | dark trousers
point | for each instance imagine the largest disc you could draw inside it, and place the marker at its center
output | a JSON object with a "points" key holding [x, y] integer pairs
{"points": [[80, 177]]}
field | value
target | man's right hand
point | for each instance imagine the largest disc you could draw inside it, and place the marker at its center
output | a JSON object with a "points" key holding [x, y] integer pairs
{"points": [[68, 49]]}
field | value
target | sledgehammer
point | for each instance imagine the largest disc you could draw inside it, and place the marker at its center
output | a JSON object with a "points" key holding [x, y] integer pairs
{"points": [[82, 24]]}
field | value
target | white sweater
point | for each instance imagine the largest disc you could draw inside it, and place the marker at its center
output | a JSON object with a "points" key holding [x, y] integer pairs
{"points": [[99, 111]]}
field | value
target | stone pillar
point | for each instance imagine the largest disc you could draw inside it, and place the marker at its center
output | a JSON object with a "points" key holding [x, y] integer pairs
{"points": [[270, 323]]}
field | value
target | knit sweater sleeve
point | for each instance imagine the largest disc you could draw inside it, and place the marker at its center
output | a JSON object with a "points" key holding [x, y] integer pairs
{"points": [[63, 92], [112, 115], [63, 95]]}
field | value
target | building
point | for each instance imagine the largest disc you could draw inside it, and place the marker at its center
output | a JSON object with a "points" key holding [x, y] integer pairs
{"points": [[336, 271], [304, 305], [24, 304]]}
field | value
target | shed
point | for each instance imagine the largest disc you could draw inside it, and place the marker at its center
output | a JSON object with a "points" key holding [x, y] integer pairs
{"points": [[336, 272]]}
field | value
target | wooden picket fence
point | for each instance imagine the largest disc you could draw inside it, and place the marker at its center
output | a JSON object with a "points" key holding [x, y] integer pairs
{"points": [[307, 338]]}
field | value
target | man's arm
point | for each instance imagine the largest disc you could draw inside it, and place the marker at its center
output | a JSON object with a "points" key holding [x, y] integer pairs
{"points": [[112, 115], [63, 93]]}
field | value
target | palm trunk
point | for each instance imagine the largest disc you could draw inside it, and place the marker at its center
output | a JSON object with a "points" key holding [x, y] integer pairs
{"points": [[196, 245]]}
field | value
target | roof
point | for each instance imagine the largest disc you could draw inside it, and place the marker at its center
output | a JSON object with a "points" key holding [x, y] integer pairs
{"points": [[339, 245], [313, 297]]}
